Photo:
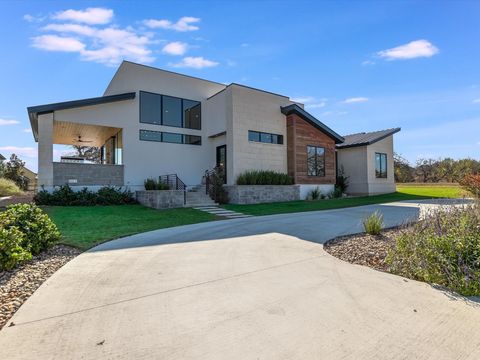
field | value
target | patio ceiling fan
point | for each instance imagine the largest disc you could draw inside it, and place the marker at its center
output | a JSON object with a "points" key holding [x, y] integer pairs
{"points": [[79, 140]]}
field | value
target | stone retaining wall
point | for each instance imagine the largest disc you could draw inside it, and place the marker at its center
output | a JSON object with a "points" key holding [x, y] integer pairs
{"points": [[257, 194], [161, 199], [75, 174]]}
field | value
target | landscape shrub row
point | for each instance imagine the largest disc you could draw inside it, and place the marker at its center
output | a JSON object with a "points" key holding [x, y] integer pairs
{"points": [[152, 184], [65, 196], [24, 230], [471, 183], [264, 177], [443, 249]]}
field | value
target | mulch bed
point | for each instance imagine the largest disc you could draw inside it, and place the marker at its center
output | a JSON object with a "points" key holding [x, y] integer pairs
{"points": [[364, 249], [18, 284]]}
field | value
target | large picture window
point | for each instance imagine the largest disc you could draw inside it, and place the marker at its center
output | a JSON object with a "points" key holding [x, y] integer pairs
{"points": [[170, 111], [381, 165], [267, 138], [315, 161], [168, 137]]}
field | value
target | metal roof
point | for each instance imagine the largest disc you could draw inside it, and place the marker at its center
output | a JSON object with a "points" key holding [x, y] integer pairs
{"points": [[366, 138], [295, 109], [34, 111]]}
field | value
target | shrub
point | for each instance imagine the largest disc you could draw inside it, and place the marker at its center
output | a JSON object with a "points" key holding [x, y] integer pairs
{"points": [[216, 191], [373, 224], [39, 231], [342, 181], [8, 188], [65, 196], [11, 253], [443, 249], [337, 192], [471, 183], [263, 177], [314, 194], [152, 184]]}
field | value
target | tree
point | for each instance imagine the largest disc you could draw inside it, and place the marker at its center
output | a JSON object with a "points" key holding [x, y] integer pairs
{"points": [[89, 153], [13, 170], [403, 170]]}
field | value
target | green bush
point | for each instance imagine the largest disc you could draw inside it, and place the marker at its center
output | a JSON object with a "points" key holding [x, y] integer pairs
{"points": [[443, 249], [216, 191], [314, 194], [373, 224], [264, 177], [39, 231], [65, 196], [8, 188], [152, 184], [342, 181], [11, 253]]}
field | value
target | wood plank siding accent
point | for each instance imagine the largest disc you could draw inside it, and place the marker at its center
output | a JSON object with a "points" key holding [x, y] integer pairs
{"points": [[300, 134]]}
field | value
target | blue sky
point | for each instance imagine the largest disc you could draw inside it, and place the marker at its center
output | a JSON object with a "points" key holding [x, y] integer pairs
{"points": [[357, 65]]}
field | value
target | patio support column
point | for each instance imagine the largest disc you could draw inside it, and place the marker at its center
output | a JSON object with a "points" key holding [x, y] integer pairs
{"points": [[45, 151]]}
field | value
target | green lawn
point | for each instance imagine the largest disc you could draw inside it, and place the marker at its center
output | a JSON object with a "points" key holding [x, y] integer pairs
{"points": [[403, 193], [87, 226]]}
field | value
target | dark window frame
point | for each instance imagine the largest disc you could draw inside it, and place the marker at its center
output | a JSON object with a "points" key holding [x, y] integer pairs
{"points": [[184, 137], [161, 111], [316, 147], [382, 172], [259, 134]]}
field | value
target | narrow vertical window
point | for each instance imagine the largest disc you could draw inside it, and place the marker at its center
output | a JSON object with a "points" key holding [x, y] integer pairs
{"points": [[381, 165], [315, 161]]}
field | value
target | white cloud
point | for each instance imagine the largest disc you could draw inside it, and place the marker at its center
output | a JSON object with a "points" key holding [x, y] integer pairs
{"points": [[310, 101], [194, 62], [8, 122], [183, 24], [414, 49], [245, 45], [71, 28], [92, 16], [27, 130], [368, 62], [33, 19], [175, 48], [58, 43], [108, 45], [476, 101], [231, 63], [355, 100], [20, 151]]}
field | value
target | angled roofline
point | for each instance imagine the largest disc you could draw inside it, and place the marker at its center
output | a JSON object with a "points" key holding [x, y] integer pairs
{"points": [[373, 141], [34, 111], [2, 157], [295, 109]]}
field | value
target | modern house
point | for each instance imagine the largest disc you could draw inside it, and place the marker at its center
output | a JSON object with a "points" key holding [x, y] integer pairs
{"points": [[151, 122]]}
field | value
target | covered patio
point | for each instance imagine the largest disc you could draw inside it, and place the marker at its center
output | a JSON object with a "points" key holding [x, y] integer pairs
{"points": [[52, 127]]}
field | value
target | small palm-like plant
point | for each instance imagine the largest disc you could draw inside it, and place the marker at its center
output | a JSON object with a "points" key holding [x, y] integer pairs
{"points": [[373, 224]]}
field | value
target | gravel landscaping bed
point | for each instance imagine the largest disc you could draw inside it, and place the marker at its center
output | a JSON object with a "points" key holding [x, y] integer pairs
{"points": [[18, 284], [364, 249]]}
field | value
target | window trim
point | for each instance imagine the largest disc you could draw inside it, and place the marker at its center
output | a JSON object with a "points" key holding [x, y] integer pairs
{"points": [[379, 174], [324, 160], [169, 142], [279, 137], [161, 110]]}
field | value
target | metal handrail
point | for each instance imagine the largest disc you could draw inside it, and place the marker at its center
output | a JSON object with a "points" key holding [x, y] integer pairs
{"points": [[174, 183]]}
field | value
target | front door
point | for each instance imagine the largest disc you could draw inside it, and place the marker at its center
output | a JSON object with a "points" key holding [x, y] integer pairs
{"points": [[222, 160]]}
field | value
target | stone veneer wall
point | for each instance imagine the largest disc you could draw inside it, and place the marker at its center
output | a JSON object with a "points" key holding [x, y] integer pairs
{"points": [[257, 194], [161, 199], [76, 174]]}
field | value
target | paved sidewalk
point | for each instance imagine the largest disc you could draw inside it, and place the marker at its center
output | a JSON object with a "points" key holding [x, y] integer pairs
{"points": [[252, 288], [216, 210]]}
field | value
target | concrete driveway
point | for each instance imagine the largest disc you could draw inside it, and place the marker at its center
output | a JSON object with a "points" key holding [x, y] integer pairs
{"points": [[254, 288]]}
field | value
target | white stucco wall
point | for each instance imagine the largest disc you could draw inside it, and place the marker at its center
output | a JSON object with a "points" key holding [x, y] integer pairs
{"points": [[378, 185], [359, 165], [259, 111], [354, 163]]}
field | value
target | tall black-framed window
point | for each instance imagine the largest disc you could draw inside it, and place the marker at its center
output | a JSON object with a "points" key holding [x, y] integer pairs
{"points": [[381, 165], [168, 137], [315, 161], [172, 111], [263, 137]]}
